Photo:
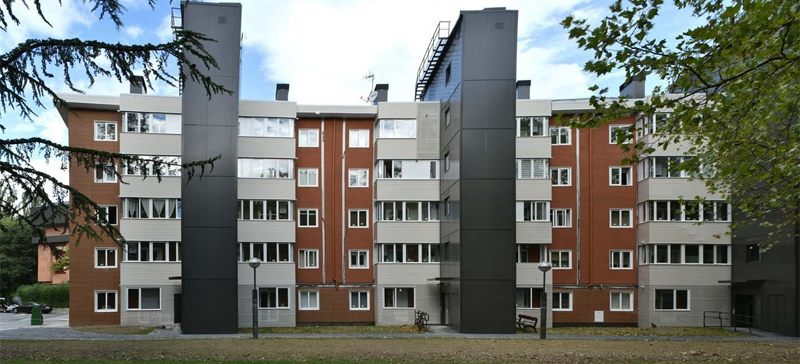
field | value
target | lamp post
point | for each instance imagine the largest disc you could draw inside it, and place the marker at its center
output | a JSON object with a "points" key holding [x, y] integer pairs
{"points": [[255, 263], [544, 266]]}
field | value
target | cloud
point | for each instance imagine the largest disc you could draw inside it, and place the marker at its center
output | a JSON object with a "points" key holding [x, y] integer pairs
{"points": [[324, 49], [164, 31], [51, 126], [62, 18], [133, 31]]}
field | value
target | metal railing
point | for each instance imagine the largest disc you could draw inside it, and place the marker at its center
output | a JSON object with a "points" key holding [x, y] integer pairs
{"points": [[723, 320], [421, 319], [432, 56]]}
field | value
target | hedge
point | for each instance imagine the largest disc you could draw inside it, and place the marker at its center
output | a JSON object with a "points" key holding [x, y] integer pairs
{"points": [[55, 295]]}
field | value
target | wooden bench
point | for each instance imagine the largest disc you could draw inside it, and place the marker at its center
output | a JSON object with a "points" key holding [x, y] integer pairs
{"points": [[525, 321]]}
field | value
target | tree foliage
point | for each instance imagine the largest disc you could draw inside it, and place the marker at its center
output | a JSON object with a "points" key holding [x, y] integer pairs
{"points": [[17, 256], [733, 95], [27, 74]]}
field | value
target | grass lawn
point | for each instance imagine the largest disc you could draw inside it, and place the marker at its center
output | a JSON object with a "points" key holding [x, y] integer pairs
{"points": [[115, 330], [344, 329], [406, 350], [635, 331]]}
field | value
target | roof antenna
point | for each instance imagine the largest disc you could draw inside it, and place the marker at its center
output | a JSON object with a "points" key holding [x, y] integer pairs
{"points": [[372, 93]]}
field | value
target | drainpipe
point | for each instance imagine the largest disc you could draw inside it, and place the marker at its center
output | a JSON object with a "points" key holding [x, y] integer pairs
{"points": [[578, 205], [344, 211], [322, 185]]}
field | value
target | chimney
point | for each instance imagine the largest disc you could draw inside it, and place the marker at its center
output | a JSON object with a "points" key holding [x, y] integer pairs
{"points": [[523, 89], [383, 93], [633, 87], [282, 92], [137, 85]]}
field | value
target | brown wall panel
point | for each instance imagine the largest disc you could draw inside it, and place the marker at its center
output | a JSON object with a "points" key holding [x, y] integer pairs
{"points": [[334, 307], [586, 301]]}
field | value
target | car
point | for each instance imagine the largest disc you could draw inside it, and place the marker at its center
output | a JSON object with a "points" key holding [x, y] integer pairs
{"points": [[10, 308], [27, 307]]}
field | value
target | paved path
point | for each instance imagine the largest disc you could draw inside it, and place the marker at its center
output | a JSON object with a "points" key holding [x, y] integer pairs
{"points": [[13, 321]]}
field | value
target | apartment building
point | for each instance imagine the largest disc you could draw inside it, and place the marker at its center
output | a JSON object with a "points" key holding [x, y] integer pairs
{"points": [[53, 247], [363, 214]]}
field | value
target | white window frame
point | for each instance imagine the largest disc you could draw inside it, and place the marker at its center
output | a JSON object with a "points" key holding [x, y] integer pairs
{"points": [[567, 212], [520, 213], [358, 253], [618, 170], [300, 219], [561, 300], [558, 171], [106, 292], [560, 252], [545, 126], [277, 296], [128, 297], [116, 257], [358, 212], [394, 302], [622, 225], [359, 292], [559, 133], [308, 133], [358, 137], [308, 292], [113, 175], [358, 174], [612, 127], [116, 215], [307, 180], [622, 294], [621, 253], [674, 299], [303, 256], [544, 164], [98, 138]]}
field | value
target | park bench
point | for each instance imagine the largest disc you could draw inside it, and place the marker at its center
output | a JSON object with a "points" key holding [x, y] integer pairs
{"points": [[525, 321]]}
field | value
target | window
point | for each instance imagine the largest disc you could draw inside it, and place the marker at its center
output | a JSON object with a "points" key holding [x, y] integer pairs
{"points": [[709, 211], [561, 176], [447, 74], [151, 208], [309, 300], [655, 123], [529, 253], [447, 206], [672, 299], [408, 211], [266, 252], [621, 218], [532, 168], [561, 259], [529, 298], [308, 218], [560, 135], [359, 178], [266, 168], [621, 259], [408, 169], [621, 301], [358, 218], [152, 123], [620, 176], [105, 173], [562, 301], [105, 258], [147, 251], [447, 161], [532, 126], [309, 259], [144, 299], [447, 117], [409, 253], [397, 128], [359, 138], [308, 138], [398, 297], [107, 214], [533, 211], [307, 177], [620, 133], [105, 301], [273, 297], [561, 217], [265, 210], [753, 253], [359, 300], [167, 167], [105, 131], [359, 259], [266, 127]]}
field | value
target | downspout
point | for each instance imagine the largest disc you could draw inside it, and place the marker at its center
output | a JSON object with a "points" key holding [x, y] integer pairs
{"points": [[322, 214], [578, 205], [344, 212]]}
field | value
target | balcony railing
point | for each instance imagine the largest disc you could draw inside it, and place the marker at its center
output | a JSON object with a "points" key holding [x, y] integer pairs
{"points": [[432, 57]]}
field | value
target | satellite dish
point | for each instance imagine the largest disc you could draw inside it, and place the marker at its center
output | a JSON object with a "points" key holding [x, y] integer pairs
{"points": [[372, 96]]}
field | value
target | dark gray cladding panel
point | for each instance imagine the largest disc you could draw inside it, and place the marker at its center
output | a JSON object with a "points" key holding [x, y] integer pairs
{"points": [[485, 205], [489, 108], [480, 247], [208, 225], [485, 158], [490, 45], [488, 306]]}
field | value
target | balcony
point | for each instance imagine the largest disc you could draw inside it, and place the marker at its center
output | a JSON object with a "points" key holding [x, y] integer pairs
{"points": [[135, 186], [407, 232], [534, 189], [684, 274], [151, 229], [150, 144], [407, 189], [266, 189], [682, 232], [673, 189], [149, 273], [261, 147], [534, 232], [534, 147], [396, 149], [389, 274], [529, 275], [673, 149], [280, 274], [266, 231]]}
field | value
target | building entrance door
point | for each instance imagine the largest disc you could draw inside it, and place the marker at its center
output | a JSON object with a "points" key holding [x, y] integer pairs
{"points": [[743, 310]]}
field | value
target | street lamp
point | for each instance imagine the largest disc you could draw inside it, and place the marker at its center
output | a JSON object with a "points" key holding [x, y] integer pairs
{"points": [[544, 266], [255, 263]]}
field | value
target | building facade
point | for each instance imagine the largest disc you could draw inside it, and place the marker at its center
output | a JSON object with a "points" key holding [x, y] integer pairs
{"points": [[364, 214]]}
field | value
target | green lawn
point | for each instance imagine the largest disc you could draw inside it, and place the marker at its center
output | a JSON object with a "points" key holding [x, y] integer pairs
{"points": [[344, 329], [635, 331], [115, 330]]}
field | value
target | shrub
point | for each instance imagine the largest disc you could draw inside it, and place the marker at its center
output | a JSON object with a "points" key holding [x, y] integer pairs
{"points": [[55, 295]]}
